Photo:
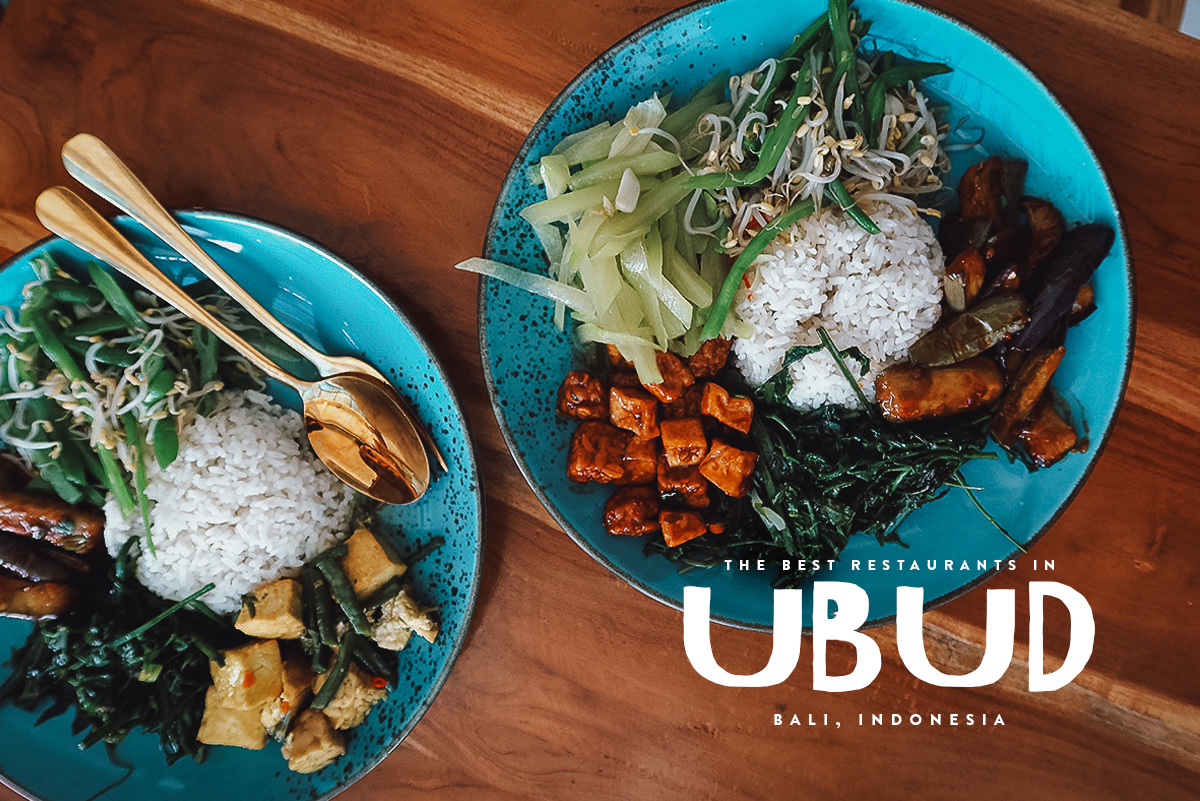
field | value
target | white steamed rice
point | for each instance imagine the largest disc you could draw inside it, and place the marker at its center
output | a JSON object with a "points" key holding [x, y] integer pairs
{"points": [[877, 293], [245, 503]]}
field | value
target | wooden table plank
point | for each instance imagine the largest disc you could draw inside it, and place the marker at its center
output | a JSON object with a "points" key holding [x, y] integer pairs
{"points": [[384, 129]]}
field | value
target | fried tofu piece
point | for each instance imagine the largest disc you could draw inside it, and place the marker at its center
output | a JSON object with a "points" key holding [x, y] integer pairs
{"points": [[370, 562], [399, 617], [1046, 436], [1023, 393], [729, 468], [687, 482], [907, 392], [710, 357], [676, 378], [582, 396], [312, 743], [640, 462], [251, 676], [684, 443], [631, 512], [634, 410], [679, 527], [353, 699], [297, 683], [735, 412], [616, 361], [273, 612], [597, 453], [225, 725]]}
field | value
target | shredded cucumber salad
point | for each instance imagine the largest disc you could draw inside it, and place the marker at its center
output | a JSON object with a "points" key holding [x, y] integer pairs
{"points": [[650, 223]]}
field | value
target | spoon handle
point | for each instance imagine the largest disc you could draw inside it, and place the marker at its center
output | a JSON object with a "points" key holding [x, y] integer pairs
{"points": [[91, 162], [66, 214]]}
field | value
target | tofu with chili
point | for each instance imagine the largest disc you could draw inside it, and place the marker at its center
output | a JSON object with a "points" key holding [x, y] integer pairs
{"points": [[370, 562], [354, 698], [684, 441], [582, 396], [313, 743], [251, 676], [907, 392], [632, 512], [597, 453], [735, 412], [634, 410], [223, 724], [729, 468]]}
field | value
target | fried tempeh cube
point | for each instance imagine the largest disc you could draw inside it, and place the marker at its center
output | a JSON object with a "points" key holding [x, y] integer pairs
{"points": [[676, 378], [1046, 436], [686, 405], [582, 396], [735, 412], [711, 356], [679, 527], [633, 410], [631, 512], [908, 392], [687, 482], [729, 468], [640, 462], [683, 441], [30, 599], [597, 453]]}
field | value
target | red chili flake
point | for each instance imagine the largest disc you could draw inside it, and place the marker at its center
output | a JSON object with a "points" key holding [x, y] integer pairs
{"points": [[285, 707], [378, 682], [248, 679], [746, 281]]}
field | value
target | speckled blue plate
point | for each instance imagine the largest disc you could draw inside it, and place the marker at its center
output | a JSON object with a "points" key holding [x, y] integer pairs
{"points": [[328, 303], [526, 357]]}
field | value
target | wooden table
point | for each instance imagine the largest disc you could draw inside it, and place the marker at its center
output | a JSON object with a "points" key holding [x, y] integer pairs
{"points": [[383, 129]]}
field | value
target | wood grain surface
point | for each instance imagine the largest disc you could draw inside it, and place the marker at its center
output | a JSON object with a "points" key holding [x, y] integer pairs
{"points": [[383, 130]]}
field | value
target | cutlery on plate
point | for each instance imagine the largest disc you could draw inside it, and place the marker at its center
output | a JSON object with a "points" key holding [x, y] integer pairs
{"points": [[91, 162], [353, 422]]}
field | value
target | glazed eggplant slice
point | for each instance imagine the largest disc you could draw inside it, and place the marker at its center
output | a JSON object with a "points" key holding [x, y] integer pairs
{"points": [[979, 191], [31, 560], [970, 333], [1046, 436], [1024, 393], [908, 392], [1045, 230], [964, 279], [51, 520], [34, 600], [1065, 270], [1084, 305]]}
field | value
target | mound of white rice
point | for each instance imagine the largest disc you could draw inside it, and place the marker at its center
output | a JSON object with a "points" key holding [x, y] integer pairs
{"points": [[877, 293], [245, 503]]}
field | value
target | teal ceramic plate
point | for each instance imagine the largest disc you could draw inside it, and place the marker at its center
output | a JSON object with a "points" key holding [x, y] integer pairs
{"points": [[526, 357], [332, 306]]}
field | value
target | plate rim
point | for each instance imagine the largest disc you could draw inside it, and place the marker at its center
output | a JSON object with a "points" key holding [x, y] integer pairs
{"points": [[188, 214], [516, 170]]}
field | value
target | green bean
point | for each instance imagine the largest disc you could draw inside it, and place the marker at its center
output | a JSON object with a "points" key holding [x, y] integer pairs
{"points": [[774, 145], [390, 589], [343, 593], [137, 446], [326, 625], [844, 58], [115, 481], [372, 660], [94, 326], [800, 47], [50, 343], [159, 386], [333, 681], [116, 356], [893, 78], [838, 190], [120, 301], [164, 437], [682, 121], [67, 291], [54, 475], [720, 308]]}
